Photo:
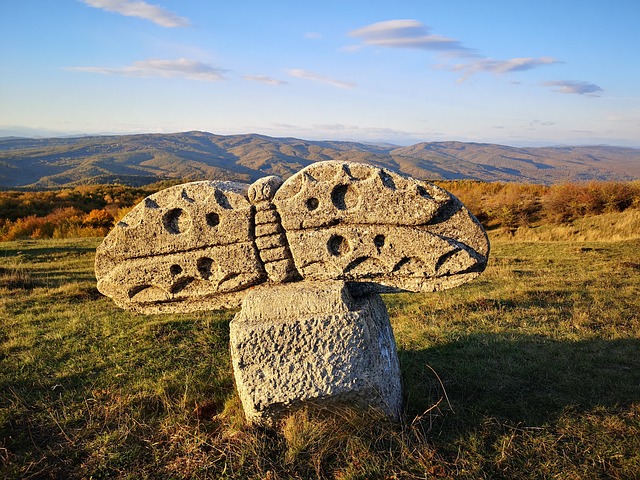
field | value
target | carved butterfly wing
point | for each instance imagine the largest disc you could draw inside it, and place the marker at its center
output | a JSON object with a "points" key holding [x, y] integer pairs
{"points": [[188, 247], [380, 230]]}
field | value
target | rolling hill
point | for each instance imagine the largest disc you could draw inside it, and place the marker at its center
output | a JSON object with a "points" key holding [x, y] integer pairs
{"points": [[143, 159]]}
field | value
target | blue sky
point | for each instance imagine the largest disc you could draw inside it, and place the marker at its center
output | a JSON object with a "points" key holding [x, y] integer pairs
{"points": [[514, 72]]}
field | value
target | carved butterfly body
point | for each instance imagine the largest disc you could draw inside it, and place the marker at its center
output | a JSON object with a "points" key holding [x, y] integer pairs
{"points": [[200, 245]]}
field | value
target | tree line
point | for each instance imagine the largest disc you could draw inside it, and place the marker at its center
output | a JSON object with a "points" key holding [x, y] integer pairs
{"points": [[91, 211]]}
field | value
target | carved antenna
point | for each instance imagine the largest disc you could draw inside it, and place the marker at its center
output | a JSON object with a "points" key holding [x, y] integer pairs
{"points": [[270, 238]]}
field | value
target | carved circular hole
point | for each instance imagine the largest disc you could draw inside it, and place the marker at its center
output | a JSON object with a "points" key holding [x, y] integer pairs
{"points": [[378, 241], [387, 180], [176, 221], [213, 219], [150, 203], [337, 197], [337, 245], [312, 203], [204, 265], [344, 197], [175, 269]]}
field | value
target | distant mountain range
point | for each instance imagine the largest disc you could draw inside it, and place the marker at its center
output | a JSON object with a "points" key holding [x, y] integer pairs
{"points": [[148, 158]]}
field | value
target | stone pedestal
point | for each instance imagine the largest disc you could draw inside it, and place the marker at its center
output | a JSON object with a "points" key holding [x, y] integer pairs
{"points": [[313, 343]]}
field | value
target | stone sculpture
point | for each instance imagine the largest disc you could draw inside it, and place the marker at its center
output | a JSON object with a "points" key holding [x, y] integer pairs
{"points": [[306, 259]]}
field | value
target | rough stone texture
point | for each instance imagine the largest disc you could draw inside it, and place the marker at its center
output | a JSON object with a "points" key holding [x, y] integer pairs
{"points": [[359, 223], [315, 344], [197, 246], [382, 257], [348, 231], [188, 247], [327, 193], [270, 238]]}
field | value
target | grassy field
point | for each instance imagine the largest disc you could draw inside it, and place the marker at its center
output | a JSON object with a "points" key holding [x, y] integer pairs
{"points": [[531, 371]]}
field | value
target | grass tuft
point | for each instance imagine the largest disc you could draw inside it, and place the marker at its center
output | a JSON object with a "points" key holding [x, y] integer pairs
{"points": [[17, 277]]}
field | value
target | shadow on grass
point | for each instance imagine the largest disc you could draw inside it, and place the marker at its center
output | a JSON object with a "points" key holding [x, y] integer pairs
{"points": [[32, 250], [118, 396], [524, 379]]}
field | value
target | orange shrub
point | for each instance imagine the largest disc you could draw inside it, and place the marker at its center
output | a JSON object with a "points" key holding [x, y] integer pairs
{"points": [[27, 227], [569, 201], [98, 219], [513, 204]]}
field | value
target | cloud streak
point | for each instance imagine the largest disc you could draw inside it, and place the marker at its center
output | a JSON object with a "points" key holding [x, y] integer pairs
{"points": [[140, 9], [183, 67], [316, 77], [407, 34], [499, 67], [264, 79], [578, 88]]}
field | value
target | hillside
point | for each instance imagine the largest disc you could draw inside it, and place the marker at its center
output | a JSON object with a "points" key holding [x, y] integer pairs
{"points": [[147, 158]]}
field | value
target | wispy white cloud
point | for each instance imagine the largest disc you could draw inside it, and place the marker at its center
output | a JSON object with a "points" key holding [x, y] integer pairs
{"points": [[140, 9], [351, 48], [316, 77], [412, 34], [313, 36], [407, 34], [541, 123], [578, 88], [183, 67], [264, 79], [501, 66], [629, 117]]}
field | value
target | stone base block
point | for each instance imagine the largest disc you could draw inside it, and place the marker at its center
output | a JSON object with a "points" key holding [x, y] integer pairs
{"points": [[313, 343]]}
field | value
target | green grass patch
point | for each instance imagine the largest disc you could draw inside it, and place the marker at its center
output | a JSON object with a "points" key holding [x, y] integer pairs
{"points": [[531, 371]]}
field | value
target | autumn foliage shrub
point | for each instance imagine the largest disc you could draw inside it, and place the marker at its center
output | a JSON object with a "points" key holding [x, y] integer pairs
{"points": [[62, 223], [514, 205], [93, 210], [85, 211], [569, 201], [21, 204]]}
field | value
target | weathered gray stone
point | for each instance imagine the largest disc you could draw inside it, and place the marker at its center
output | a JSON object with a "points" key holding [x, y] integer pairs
{"points": [[188, 247], [269, 234], [313, 343], [359, 223], [326, 193], [349, 231], [330, 221]]}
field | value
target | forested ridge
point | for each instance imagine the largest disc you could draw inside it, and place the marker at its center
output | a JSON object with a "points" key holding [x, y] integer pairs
{"points": [[143, 159]]}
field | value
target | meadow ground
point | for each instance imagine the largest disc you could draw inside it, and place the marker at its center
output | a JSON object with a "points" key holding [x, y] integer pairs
{"points": [[530, 371]]}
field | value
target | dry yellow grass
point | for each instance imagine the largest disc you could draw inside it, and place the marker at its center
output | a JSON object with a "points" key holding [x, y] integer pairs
{"points": [[607, 227]]}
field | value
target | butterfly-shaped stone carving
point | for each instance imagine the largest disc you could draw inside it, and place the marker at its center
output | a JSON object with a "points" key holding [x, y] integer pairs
{"points": [[201, 245]]}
